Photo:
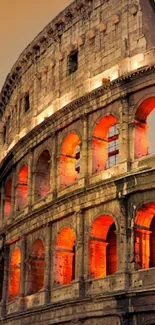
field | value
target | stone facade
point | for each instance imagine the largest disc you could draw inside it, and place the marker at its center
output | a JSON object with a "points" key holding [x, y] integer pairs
{"points": [[77, 185]]}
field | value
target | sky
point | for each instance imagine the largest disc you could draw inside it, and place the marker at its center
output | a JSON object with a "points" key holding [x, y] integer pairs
{"points": [[20, 22]]}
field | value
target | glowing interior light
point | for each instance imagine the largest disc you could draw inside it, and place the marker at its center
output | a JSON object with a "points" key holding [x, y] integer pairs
{"points": [[145, 237], [114, 76], [142, 144], [102, 247], [64, 268], [68, 161], [137, 61], [14, 274], [36, 267]]}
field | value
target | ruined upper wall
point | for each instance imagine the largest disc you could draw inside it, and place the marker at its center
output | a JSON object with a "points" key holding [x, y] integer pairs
{"points": [[111, 38]]}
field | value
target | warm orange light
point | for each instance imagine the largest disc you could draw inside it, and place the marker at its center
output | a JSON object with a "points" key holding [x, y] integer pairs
{"points": [[100, 142], [145, 237], [36, 267], [65, 257], [141, 129], [14, 274], [68, 174], [42, 175], [102, 247], [22, 188], [7, 199]]}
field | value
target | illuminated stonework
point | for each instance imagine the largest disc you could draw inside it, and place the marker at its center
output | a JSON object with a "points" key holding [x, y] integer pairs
{"points": [[77, 182]]}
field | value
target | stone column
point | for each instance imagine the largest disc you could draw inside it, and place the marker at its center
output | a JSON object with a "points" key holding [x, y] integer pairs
{"points": [[54, 167], [13, 193], [19, 106], [2, 205], [5, 282], [124, 131], [84, 148], [142, 248], [79, 250], [1, 135], [30, 179], [22, 273], [47, 271], [90, 157], [98, 249], [122, 238]]}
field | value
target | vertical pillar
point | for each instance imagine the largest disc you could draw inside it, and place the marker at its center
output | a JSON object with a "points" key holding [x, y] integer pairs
{"points": [[97, 257], [90, 156], [37, 89], [22, 273], [1, 136], [13, 193], [84, 148], [19, 104], [54, 167], [122, 238], [79, 251], [30, 178], [5, 282], [47, 263], [1, 204], [142, 248], [124, 131]]}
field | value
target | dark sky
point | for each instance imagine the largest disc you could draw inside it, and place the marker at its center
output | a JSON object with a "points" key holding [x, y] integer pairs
{"points": [[20, 22]]}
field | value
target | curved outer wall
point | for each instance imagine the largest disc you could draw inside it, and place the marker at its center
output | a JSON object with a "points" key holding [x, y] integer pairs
{"points": [[76, 215]]}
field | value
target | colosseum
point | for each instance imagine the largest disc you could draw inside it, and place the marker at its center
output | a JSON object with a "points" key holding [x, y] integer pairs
{"points": [[77, 177]]}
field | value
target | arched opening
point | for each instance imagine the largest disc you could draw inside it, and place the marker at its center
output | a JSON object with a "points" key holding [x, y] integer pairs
{"points": [[70, 159], [142, 132], [103, 247], [145, 237], [105, 147], [42, 175], [22, 188], [7, 199], [14, 274], [64, 271], [36, 265]]}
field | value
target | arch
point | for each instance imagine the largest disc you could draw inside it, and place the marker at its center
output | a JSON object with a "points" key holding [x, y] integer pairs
{"points": [[7, 199], [64, 271], [14, 274], [105, 143], [141, 126], [22, 188], [103, 247], [36, 265], [70, 159], [42, 175], [145, 236]]}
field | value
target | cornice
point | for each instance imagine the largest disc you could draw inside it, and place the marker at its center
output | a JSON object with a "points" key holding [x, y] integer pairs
{"points": [[80, 102], [52, 33]]}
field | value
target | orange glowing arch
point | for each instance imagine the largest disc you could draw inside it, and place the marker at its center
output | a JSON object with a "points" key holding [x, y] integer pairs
{"points": [[100, 142], [65, 257], [145, 236], [141, 127], [7, 199], [22, 188], [103, 247], [42, 175], [36, 267], [68, 173], [14, 274]]}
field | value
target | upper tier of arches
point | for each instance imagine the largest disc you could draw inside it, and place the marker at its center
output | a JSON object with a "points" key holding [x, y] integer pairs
{"points": [[105, 151]]}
